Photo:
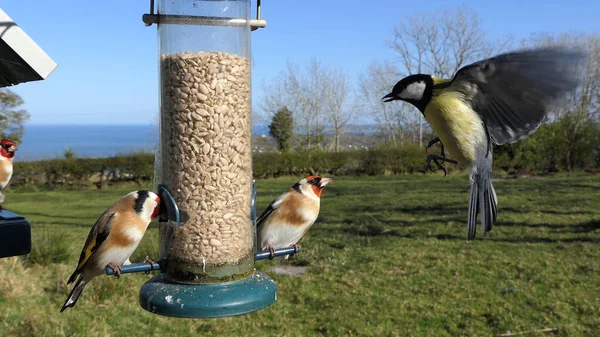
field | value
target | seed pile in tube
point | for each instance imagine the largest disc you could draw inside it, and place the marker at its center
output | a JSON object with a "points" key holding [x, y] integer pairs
{"points": [[206, 153]]}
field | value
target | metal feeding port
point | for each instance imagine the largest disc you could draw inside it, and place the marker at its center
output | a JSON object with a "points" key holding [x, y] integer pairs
{"points": [[203, 166]]}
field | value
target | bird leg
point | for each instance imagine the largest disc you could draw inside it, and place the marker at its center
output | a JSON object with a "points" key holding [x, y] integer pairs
{"points": [[147, 259], [116, 269], [296, 248], [438, 160], [271, 252], [434, 141]]}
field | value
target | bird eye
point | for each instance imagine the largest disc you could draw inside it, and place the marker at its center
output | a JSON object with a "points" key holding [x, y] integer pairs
{"points": [[312, 181]]}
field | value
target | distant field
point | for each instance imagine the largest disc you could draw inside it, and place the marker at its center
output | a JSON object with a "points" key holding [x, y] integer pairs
{"points": [[388, 257]]}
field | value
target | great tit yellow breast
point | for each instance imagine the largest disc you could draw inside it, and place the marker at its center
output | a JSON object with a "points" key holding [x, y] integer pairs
{"points": [[456, 124]]}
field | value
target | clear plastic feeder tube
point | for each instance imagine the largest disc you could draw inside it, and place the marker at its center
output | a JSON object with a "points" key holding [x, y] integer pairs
{"points": [[205, 157]]}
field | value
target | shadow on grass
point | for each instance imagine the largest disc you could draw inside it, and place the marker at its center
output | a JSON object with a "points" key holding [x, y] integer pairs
{"points": [[371, 227], [583, 227], [426, 209], [549, 211], [546, 240], [453, 237]]}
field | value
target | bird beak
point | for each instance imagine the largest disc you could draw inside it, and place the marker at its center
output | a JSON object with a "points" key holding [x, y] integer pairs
{"points": [[389, 97], [325, 181], [155, 212], [156, 209], [12, 148]]}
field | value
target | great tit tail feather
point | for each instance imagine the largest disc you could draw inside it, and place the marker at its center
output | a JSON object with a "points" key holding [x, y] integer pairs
{"points": [[487, 205], [473, 210], [483, 200], [492, 204]]}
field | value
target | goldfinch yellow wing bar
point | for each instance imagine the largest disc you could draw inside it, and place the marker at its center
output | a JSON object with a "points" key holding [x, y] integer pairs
{"points": [[21, 59], [153, 18]]}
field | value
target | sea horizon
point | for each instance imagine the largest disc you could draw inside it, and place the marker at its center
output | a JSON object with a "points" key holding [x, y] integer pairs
{"points": [[50, 141]]}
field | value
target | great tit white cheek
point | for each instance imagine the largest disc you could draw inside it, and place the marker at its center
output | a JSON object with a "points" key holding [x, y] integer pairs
{"points": [[413, 91]]}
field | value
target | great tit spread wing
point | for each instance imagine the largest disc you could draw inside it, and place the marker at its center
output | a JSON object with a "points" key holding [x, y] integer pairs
{"points": [[513, 92]]}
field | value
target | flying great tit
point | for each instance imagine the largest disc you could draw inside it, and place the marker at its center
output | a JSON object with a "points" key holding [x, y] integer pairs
{"points": [[498, 100]]}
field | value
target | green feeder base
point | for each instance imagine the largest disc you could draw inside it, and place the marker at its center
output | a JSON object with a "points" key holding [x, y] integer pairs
{"points": [[167, 298]]}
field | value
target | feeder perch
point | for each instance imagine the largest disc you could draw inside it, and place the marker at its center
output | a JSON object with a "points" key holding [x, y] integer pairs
{"points": [[203, 166]]}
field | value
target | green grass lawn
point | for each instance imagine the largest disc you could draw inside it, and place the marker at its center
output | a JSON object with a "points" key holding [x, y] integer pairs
{"points": [[388, 257]]}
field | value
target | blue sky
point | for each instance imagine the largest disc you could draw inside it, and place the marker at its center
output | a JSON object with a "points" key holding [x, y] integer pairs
{"points": [[107, 58]]}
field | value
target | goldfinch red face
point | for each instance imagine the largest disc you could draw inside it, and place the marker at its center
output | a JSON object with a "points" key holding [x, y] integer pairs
{"points": [[314, 184], [7, 148]]}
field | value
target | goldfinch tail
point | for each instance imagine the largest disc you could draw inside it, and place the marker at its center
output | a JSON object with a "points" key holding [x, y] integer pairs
{"points": [[74, 295], [482, 200]]}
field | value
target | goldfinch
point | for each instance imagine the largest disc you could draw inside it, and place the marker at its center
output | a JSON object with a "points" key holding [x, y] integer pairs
{"points": [[7, 153], [285, 221], [113, 239], [498, 100]]}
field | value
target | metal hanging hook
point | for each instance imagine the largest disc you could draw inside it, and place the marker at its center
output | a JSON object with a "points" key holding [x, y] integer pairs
{"points": [[152, 18]]}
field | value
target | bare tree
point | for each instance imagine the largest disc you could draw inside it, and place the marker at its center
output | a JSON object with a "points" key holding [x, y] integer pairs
{"points": [[314, 88], [440, 49], [307, 92], [274, 99], [391, 118], [339, 114]]}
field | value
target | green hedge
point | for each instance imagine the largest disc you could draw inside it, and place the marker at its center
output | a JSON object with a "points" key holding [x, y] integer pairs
{"points": [[559, 146], [564, 145], [77, 172], [81, 172]]}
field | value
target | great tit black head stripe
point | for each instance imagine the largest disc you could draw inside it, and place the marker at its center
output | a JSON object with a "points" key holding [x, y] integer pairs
{"points": [[415, 89]]}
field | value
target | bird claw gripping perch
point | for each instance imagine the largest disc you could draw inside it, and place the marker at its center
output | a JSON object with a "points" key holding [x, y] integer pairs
{"points": [[147, 260], [296, 248], [438, 160], [271, 252], [116, 269]]}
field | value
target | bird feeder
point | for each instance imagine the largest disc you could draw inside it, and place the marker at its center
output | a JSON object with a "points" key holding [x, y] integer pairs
{"points": [[203, 167], [21, 61], [15, 234]]}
